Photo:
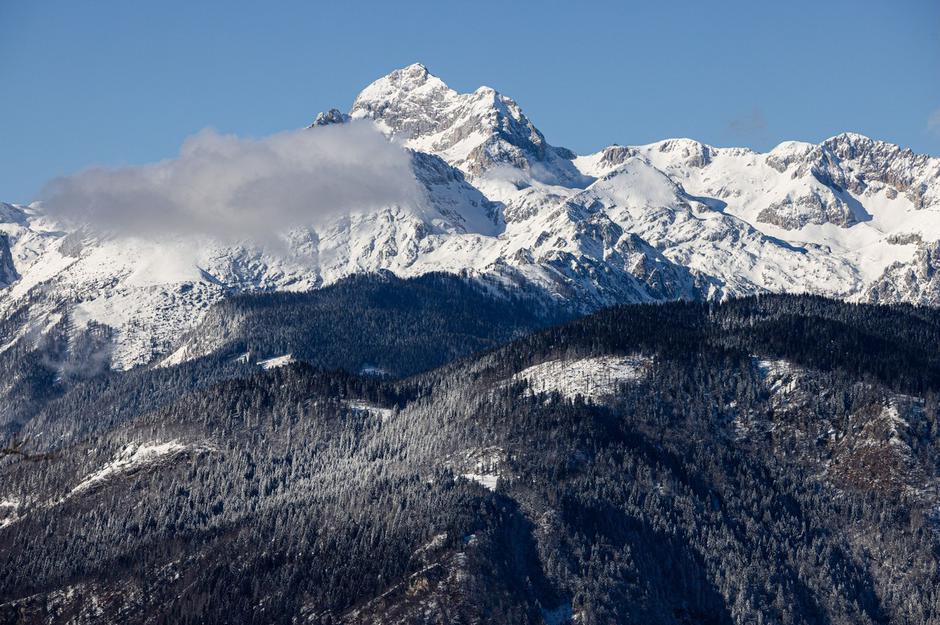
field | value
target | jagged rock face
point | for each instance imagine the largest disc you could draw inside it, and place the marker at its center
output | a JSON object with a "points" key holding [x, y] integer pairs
{"points": [[441, 181], [853, 162], [8, 273], [693, 153], [787, 154], [815, 208], [905, 238], [616, 155], [473, 131], [796, 184], [410, 101], [916, 281], [333, 116]]}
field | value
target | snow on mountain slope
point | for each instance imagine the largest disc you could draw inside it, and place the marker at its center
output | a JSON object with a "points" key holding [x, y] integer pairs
{"points": [[131, 458], [851, 217], [690, 232], [917, 280], [476, 131], [592, 378], [275, 362], [151, 291], [853, 198]]}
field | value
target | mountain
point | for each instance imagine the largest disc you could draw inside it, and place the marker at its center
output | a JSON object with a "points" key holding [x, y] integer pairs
{"points": [[851, 218], [659, 384], [766, 459], [475, 132]]}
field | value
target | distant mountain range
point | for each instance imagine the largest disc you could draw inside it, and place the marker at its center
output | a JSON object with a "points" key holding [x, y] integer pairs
{"points": [[851, 218]]}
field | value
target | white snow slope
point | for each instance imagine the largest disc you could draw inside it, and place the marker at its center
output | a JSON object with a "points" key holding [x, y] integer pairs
{"points": [[851, 217]]}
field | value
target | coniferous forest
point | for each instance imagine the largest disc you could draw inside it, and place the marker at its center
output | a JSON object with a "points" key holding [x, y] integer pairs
{"points": [[763, 460]]}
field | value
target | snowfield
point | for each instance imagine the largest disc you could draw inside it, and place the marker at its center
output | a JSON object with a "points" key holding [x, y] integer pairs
{"points": [[382, 414], [480, 465], [277, 361], [591, 378]]}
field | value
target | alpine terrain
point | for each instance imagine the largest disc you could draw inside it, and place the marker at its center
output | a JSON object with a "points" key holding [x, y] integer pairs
{"points": [[657, 384], [851, 218]]}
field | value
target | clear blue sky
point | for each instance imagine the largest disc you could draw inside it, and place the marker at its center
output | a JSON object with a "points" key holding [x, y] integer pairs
{"points": [[124, 82]]}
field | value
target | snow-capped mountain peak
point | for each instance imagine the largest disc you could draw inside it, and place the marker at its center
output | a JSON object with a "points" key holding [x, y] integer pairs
{"points": [[407, 103], [475, 132], [850, 217], [327, 118], [855, 162]]}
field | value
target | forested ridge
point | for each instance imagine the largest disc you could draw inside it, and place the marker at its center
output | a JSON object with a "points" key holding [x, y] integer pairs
{"points": [[763, 460], [377, 323]]}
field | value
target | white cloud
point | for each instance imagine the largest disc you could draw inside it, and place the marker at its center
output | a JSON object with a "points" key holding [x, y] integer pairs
{"points": [[227, 186], [933, 122]]}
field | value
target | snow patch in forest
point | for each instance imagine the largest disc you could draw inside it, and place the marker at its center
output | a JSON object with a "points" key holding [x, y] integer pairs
{"points": [[769, 367], [486, 481], [179, 356], [132, 457], [8, 511], [780, 375], [277, 361], [593, 377], [890, 427], [896, 423], [482, 466], [384, 414], [781, 378]]}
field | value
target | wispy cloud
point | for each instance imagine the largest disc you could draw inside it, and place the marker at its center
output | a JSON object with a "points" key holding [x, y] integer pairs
{"points": [[933, 122], [228, 186], [751, 125]]}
